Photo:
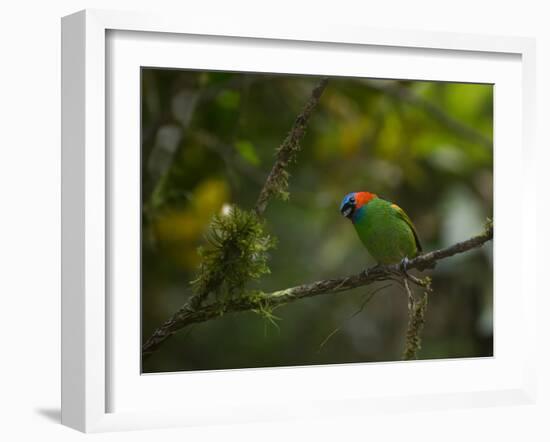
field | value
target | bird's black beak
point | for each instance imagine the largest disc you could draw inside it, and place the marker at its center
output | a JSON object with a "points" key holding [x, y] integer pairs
{"points": [[347, 210]]}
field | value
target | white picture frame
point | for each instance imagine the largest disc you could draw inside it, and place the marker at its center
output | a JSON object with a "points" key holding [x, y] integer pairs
{"points": [[88, 322]]}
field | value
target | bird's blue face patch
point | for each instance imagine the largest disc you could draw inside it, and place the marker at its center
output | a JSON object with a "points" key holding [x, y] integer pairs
{"points": [[347, 199], [348, 205]]}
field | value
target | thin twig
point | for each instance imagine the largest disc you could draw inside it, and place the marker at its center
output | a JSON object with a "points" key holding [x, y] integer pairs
{"points": [[410, 297], [365, 301]]}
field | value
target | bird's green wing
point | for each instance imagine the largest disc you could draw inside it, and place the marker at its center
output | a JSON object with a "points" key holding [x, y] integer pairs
{"points": [[403, 216]]}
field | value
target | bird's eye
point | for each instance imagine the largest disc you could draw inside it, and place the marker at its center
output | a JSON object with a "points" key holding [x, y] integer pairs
{"points": [[352, 200]]}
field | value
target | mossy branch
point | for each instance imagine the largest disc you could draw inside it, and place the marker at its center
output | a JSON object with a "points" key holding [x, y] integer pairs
{"points": [[247, 302], [414, 329], [237, 245], [235, 254], [276, 183], [417, 311]]}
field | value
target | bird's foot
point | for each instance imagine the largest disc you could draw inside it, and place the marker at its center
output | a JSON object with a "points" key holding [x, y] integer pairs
{"points": [[403, 266]]}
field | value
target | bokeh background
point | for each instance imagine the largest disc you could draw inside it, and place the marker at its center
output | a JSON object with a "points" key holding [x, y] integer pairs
{"points": [[208, 141]]}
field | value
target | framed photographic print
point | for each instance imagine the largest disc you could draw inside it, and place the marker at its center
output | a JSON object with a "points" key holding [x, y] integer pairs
{"points": [[263, 224]]}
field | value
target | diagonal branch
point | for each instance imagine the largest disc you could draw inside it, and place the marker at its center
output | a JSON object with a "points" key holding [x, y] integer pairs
{"points": [[188, 315], [277, 181]]}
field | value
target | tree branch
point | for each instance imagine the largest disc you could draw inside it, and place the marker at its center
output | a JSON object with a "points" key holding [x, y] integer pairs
{"points": [[277, 181], [188, 315]]}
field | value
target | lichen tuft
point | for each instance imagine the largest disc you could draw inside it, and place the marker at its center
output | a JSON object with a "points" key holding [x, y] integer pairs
{"points": [[235, 253]]}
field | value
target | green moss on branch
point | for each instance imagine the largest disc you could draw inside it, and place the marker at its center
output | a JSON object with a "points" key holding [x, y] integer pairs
{"points": [[235, 253], [276, 183]]}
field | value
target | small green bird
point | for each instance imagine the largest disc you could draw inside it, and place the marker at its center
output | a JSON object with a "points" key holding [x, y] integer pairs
{"points": [[383, 227]]}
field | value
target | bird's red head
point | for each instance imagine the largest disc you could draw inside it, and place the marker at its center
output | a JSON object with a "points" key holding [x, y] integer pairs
{"points": [[362, 198]]}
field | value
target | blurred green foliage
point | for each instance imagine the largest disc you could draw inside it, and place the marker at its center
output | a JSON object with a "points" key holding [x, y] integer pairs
{"points": [[208, 143]]}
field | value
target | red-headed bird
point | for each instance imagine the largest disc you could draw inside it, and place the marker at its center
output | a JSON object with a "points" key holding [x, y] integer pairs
{"points": [[383, 227]]}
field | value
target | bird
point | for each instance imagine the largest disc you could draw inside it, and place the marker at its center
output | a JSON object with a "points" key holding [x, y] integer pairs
{"points": [[383, 227]]}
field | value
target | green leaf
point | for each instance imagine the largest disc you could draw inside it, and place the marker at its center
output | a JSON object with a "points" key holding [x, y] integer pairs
{"points": [[248, 152]]}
